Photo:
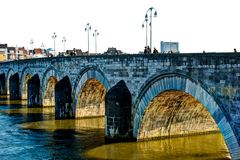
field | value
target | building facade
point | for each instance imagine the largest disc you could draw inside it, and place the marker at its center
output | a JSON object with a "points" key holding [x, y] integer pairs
{"points": [[3, 52], [169, 47]]}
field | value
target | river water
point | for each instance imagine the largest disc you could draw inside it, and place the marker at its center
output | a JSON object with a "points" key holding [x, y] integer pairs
{"points": [[32, 134]]}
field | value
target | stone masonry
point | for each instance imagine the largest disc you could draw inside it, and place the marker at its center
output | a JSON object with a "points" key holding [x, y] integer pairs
{"points": [[213, 79]]}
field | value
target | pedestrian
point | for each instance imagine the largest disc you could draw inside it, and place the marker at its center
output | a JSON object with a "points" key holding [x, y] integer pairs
{"points": [[155, 51]]}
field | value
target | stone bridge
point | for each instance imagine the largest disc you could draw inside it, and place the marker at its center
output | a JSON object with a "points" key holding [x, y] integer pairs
{"points": [[141, 96]]}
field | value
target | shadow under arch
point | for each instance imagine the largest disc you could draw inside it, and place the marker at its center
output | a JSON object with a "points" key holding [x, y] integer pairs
{"points": [[2, 83], [49, 80], [185, 84], [14, 85], [89, 76]]}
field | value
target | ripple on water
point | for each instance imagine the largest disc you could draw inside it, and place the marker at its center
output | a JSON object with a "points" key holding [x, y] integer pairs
{"points": [[23, 136], [199, 147]]}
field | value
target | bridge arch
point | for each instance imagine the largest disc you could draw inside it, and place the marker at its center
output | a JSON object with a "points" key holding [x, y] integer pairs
{"points": [[25, 76], [89, 90], [181, 83], [49, 80]]}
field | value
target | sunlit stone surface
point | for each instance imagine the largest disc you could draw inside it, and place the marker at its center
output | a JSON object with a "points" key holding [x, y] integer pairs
{"points": [[175, 113], [49, 94], [90, 101], [24, 87]]}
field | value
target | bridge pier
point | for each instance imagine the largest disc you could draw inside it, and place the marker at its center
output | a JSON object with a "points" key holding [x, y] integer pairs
{"points": [[118, 113], [63, 99], [14, 87], [33, 88]]}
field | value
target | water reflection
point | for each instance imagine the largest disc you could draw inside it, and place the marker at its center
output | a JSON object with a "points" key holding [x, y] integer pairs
{"points": [[4, 100], [193, 147], [33, 133], [71, 124]]}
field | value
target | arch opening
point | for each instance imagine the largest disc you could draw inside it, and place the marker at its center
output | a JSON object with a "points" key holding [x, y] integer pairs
{"points": [[49, 92], [2, 83], [25, 86], [90, 100], [175, 113], [167, 82]]}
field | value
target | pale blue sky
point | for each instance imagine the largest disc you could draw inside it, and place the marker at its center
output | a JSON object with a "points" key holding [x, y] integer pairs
{"points": [[210, 25]]}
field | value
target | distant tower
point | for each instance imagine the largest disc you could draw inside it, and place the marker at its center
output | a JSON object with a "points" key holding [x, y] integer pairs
{"points": [[169, 47]]}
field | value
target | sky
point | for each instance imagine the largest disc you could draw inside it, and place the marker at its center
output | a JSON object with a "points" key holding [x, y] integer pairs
{"points": [[209, 25]]}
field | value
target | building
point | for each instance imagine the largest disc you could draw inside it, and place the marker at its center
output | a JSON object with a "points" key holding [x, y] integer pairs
{"points": [[11, 54], [22, 53], [75, 52], [169, 47], [113, 51], [38, 53], [3, 52]]}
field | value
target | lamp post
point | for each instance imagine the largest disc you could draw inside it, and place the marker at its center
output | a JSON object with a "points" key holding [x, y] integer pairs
{"points": [[87, 29], [42, 46], [145, 21], [151, 9], [95, 34], [64, 41], [31, 43], [54, 36]]}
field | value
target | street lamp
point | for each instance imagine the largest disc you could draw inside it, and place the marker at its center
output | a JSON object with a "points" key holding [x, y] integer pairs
{"points": [[146, 21], [150, 23], [54, 36], [42, 46], [88, 28], [31, 43], [64, 41], [95, 34]]}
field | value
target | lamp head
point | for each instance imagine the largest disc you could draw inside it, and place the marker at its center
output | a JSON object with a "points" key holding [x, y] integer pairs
{"points": [[155, 14], [146, 17]]}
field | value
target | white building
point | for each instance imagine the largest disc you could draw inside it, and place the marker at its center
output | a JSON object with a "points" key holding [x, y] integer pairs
{"points": [[169, 47]]}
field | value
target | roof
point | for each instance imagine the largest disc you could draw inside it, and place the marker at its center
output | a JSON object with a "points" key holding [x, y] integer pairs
{"points": [[3, 45]]}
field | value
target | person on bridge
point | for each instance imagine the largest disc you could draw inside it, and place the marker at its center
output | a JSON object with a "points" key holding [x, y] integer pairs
{"points": [[155, 51]]}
